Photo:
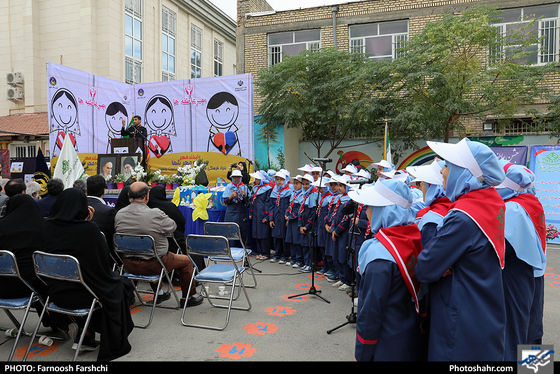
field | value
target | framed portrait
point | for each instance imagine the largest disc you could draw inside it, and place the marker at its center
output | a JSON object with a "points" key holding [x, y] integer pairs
{"points": [[107, 165], [127, 163]]}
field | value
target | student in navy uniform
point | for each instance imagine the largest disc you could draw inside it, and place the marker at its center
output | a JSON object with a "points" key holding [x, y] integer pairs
{"points": [[431, 217], [293, 238], [340, 222], [329, 243], [388, 323], [536, 317], [463, 262], [235, 198], [525, 233], [278, 203], [306, 220], [259, 215], [322, 207]]}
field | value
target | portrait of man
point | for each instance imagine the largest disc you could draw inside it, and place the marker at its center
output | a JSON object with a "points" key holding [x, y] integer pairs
{"points": [[107, 166]]}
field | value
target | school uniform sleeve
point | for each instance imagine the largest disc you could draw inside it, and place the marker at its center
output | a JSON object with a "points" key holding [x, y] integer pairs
{"points": [[371, 307], [452, 240], [429, 230]]}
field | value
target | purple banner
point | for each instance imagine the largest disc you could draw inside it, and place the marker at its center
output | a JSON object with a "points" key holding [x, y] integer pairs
{"points": [[514, 154]]}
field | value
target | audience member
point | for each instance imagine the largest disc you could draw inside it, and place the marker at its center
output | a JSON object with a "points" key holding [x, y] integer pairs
{"points": [[123, 199], [104, 216], [68, 231], [54, 187], [139, 219], [80, 184], [12, 188], [34, 190]]}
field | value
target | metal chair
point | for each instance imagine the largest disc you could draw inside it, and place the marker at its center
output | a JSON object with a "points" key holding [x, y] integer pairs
{"points": [[62, 268], [231, 231], [228, 274], [128, 245], [9, 268]]}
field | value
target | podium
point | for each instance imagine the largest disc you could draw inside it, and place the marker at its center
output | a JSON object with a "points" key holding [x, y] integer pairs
{"points": [[126, 145], [129, 146]]}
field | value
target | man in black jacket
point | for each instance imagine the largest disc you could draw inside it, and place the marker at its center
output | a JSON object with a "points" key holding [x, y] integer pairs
{"points": [[104, 216]]}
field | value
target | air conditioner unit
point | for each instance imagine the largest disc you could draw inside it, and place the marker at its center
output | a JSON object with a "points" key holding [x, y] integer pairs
{"points": [[14, 93], [14, 78]]}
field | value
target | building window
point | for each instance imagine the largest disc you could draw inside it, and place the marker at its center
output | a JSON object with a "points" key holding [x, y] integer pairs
{"points": [[218, 58], [133, 41], [519, 20], [379, 41], [196, 52], [168, 44], [292, 43], [23, 150]]}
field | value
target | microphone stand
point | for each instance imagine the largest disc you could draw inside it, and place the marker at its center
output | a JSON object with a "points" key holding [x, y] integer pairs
{"points": [[143, 146], [313, 290], [352, 317]]}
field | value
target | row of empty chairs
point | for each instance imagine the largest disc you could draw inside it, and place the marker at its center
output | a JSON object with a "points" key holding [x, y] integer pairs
{"points": [[226, 266]]}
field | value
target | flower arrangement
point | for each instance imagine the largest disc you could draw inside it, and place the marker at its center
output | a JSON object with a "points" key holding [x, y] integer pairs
{"points": [[141, 175], [119, 178], [188, 174], [552, 232]]}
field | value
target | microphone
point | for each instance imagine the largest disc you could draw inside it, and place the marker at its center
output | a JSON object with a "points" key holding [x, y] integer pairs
{"points": [[322, 159], [360, 181]]}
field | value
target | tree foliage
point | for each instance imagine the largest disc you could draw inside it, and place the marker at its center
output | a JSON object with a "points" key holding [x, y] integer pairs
{"points": [[326, 92], [461, 68]]}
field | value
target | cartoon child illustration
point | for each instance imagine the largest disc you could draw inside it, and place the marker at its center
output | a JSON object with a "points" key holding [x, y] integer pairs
{"points": [[222, 112], [160, 122], [114, 115], [64, 118]]}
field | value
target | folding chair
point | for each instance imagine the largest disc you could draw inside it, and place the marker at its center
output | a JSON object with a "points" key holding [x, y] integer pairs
{"points": [[227, 274], [62, 268], [128, 245], [9, 268], [239, 254]]}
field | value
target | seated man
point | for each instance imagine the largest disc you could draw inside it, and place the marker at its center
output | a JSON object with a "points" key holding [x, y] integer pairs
{"points": [[34, 190], [104, 216], [139, 219], [54, 187], [12, 188]]}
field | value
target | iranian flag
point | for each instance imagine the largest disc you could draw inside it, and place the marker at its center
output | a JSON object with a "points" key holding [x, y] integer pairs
{"points": [[387, 145]]}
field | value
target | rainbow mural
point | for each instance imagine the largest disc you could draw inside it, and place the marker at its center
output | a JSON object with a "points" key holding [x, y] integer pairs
{"points": [[421, 156]]}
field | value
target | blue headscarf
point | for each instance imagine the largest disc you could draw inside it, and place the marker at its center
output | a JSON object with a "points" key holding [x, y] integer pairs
{"points": [[384, 217], [284, 193], [461, 181], [519, 230], [262, 186]]}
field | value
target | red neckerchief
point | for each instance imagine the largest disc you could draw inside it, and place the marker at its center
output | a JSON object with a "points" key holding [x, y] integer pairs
{"points": [[321, 201], [291, 206], [487, 209], [311, 190], [535, 210], [439, 206], [255, 193], [278, 197], [332, 200], [337, 204], [404, 243]]}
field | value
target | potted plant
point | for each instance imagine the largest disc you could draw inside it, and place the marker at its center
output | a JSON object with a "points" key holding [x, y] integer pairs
{"points": [[154, 179], [120, 179], [168, 180], [111, 183]]}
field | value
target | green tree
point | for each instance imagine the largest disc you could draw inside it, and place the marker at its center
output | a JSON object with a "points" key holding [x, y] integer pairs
{"points": [[326, 93], [460, 68]]}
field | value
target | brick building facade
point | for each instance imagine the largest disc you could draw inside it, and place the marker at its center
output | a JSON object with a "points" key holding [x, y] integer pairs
{"points": [[257, 22]]}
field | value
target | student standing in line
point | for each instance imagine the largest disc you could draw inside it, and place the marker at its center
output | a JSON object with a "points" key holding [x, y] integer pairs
{"points": [[259, 215], [340, 223], [278, 203], [293, 238], [463, 262], [525, 233], [306, 217], [322, 209]]}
